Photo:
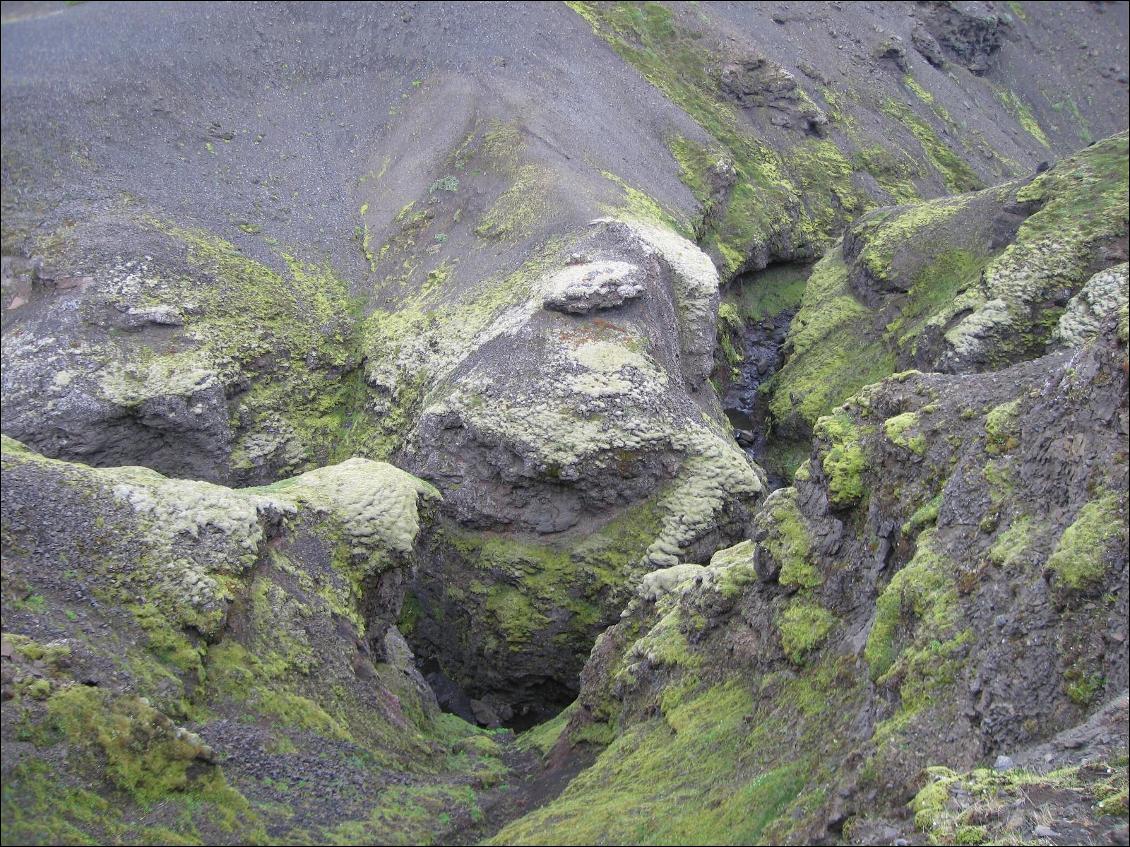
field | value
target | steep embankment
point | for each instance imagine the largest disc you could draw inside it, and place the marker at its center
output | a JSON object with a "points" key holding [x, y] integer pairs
{"points": [[492, 244], [943, 583], [185, 662]]}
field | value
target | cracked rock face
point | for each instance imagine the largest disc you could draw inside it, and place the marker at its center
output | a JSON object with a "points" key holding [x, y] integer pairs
{"points": [[943, 583], [588, 287], [590, 440]]}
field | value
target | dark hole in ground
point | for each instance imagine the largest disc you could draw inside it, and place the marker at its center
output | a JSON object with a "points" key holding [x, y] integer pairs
{"points": [[540, 701]]}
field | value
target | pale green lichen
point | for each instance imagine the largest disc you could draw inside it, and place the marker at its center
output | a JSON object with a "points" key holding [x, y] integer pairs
{"points": [[1080, 557], [376, 503], [1105, 294], [903, 430]]}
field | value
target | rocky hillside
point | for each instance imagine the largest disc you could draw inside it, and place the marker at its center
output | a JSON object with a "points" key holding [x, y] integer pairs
{"points": [[565, 423]]}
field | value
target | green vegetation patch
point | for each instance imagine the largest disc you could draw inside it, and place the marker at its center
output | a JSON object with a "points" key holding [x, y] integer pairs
{"points": [[682, 778], [803, 627], [844, 460], [1079, 559], [833, 353]]}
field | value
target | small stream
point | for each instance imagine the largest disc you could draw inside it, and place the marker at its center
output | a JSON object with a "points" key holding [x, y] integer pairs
{"points": [[772, 296]]}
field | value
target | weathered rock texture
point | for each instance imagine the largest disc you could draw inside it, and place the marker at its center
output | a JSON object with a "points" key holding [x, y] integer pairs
{"points": [[180, 659], [944, 583], [496, 245]]}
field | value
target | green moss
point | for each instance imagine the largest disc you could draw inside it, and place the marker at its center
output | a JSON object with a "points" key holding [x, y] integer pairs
{"points": [[922, 597], [1011, 545], [833, 354], [888, 231], [919, 92], [894, 170], [543, 737], [40, 807], [807, 193], [599, 733], [803, 627], [144, 755], [955, 173], [986, 806], [765, 294], [924, 516], [948, 274], [1023, 114], [261, 682], [1079, 559], [514, 614], [1002, 428], [897, 428], [790, 544], [638, 205], [287, 334], [408, 814], [844, 461], [680, 778], [1082, 687]]}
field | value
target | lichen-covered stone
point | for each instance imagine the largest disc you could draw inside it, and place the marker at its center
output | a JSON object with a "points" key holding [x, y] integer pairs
{"points": [[591, 286], [1106, 293], [167, 640], [933, 613]]}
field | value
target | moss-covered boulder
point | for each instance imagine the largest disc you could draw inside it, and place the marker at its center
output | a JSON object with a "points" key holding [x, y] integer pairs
{"points": [[186, 356], [575, 451], [967, 600], [973, 282], [180, 659]]}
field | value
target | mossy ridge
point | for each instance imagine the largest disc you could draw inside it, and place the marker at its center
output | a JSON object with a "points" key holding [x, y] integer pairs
{"points": [[833, 354], [1003, 293], [789, 542], [410, 350], [289, 336], [132, 750], [795, 202], [917, 639], [1082, 206], [953, 170]]}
